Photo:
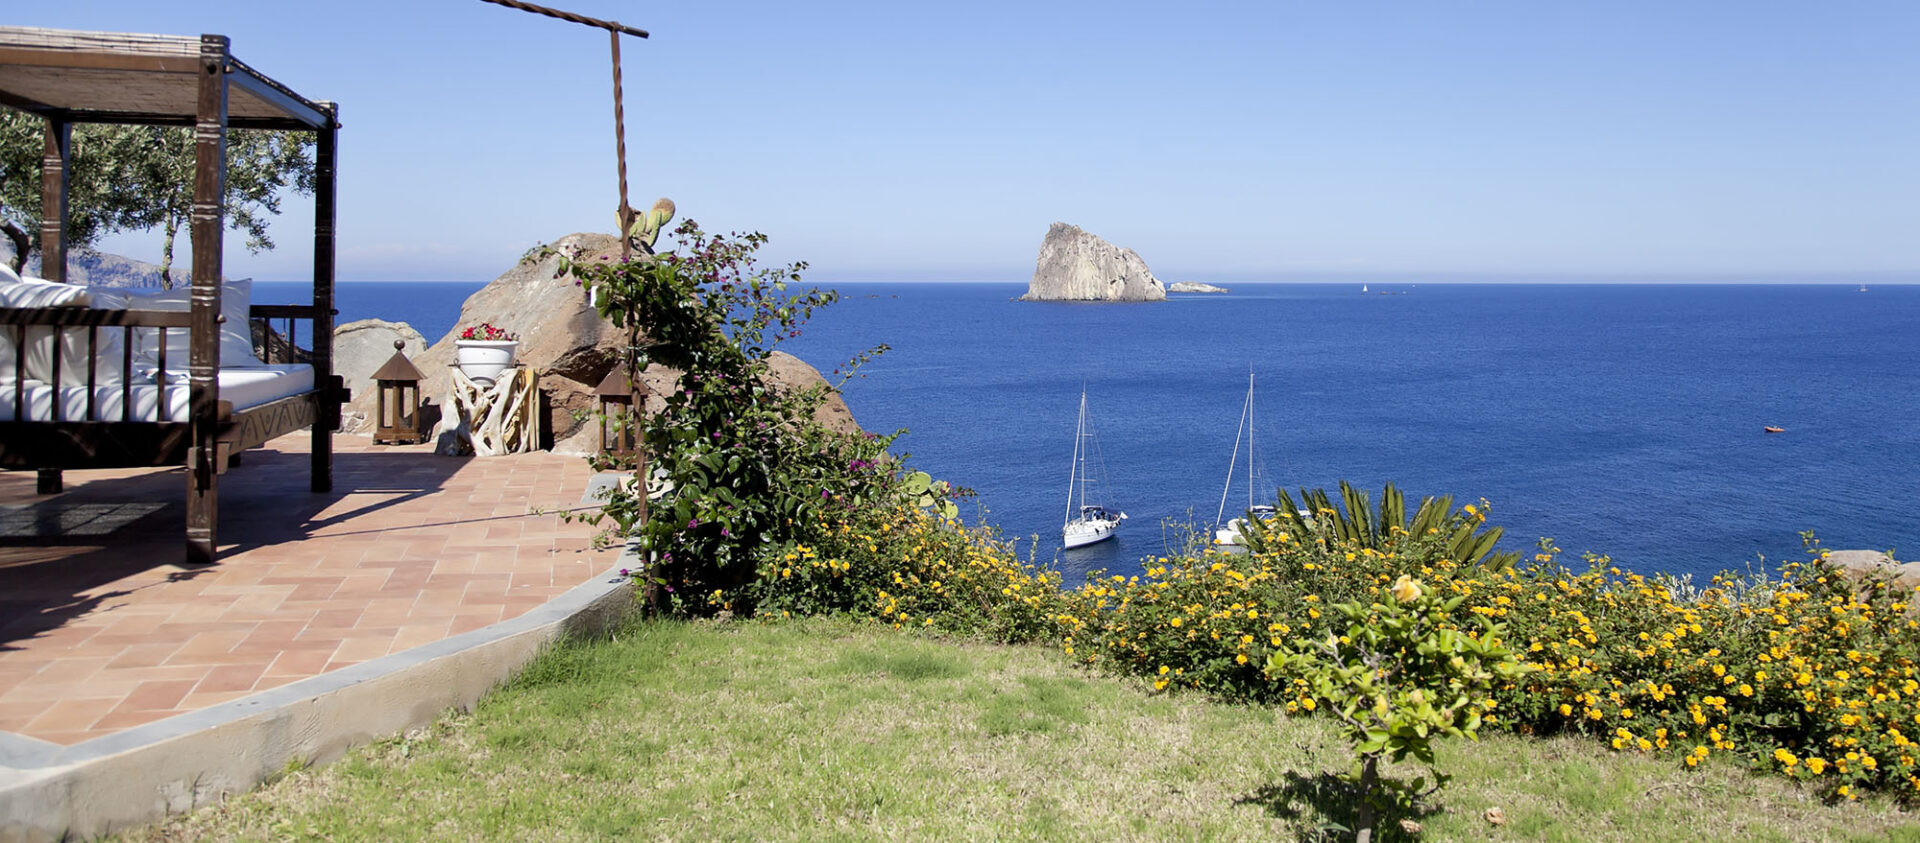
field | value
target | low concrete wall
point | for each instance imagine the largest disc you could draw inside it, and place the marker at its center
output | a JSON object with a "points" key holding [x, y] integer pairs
{"points": [[49, 792]]}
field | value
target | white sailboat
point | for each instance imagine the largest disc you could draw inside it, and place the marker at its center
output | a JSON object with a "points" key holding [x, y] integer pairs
{"points": [[1227, 535], [1086, 523]]}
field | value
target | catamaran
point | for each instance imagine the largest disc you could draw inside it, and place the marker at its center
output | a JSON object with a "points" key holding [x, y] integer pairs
{"points": [[1086, 523]]}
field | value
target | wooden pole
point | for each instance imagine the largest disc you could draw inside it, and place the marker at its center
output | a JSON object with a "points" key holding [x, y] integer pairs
{"points": [[625, 213], [56, 168], [55, 173], [207, 226], [325, 172]]}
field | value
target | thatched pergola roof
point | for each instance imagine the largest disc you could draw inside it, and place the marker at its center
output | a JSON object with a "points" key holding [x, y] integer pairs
{"points": [[115, 77]]}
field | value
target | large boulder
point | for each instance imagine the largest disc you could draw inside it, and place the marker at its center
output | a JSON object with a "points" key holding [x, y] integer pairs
{"points": [[561, 337], [783, 370], [566, 342], [360, 349], [1077, 266]]}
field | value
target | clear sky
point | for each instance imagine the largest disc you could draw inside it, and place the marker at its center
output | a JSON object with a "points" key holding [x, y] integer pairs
{"points": [[1282, 140]]}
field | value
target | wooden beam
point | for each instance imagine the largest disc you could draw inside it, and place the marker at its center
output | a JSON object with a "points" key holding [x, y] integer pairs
{"points": [[253, 82], [207, 227], [82, 317], [20, 103], [141, 118], [76, 444], [91, 60], [326, 155]]}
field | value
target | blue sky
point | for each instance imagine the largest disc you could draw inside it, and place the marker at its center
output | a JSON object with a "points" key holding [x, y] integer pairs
{"points": [[1222, 141]]}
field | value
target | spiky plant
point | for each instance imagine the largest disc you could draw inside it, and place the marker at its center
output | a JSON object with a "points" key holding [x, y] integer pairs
{"points": [[1354, 522]]}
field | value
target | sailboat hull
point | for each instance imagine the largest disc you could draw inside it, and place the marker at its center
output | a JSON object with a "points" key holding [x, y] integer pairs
{"points": [[1085, 531]]}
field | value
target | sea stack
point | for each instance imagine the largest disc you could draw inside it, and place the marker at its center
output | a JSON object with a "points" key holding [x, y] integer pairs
{"points": [[1077, 266]]}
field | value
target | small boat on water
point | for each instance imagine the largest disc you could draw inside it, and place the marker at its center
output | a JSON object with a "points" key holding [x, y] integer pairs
{"points": [[1772, 429], [1086, 523], [1228, 535]]}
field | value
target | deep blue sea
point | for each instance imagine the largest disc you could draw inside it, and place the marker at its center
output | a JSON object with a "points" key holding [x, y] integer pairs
{"points": [[1620, 419]]}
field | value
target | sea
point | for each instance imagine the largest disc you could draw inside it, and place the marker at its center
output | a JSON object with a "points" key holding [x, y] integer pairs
{"points": [[1626, 421]]}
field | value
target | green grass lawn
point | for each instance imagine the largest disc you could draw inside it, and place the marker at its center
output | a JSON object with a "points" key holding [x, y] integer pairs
{"points": [[823, 730]]}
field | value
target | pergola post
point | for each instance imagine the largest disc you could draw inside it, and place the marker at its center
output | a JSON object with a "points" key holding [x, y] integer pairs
{"points": [[208, 222], [55, 169], [325, 159], [55, 174]]}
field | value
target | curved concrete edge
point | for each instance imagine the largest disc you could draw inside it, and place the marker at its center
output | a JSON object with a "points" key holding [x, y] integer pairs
{"points": [[129, 778]]}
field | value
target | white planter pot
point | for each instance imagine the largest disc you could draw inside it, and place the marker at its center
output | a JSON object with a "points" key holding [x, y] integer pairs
{"points": [[482, 360]]}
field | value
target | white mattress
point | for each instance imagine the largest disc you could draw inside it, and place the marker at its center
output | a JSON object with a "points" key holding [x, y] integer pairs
{"points": [[244, 387]]}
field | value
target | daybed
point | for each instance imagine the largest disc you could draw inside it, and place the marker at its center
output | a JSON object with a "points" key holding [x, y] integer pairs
{"points": [[95, 377]]}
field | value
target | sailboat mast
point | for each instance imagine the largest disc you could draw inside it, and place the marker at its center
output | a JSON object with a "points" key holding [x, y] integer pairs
{"points": [[1073, 473], [1250, 449]]}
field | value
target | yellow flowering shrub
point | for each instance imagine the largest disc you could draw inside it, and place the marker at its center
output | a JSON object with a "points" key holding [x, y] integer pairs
{"points": [[1807, 674]]}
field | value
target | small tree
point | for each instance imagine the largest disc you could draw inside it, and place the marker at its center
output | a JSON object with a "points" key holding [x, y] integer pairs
{"points": [[141, 177], [1401, 676], [93, 208]]}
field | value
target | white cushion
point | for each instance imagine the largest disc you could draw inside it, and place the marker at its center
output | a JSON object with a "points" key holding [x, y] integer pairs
{"points": [[236, 334], [30, 293], [39, 292], [7, 275], [243, 387]]}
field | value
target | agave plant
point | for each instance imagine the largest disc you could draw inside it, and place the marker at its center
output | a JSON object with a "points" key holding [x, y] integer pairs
{"points": [[1355, 522]]}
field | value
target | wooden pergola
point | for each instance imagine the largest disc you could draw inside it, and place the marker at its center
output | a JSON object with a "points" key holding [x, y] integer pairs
{"points": [[70, 77]]}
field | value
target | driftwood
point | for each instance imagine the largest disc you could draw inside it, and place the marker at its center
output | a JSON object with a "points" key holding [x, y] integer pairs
{"points": [[488, 421]]}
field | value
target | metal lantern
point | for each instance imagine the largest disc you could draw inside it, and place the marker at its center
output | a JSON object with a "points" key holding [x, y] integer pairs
{"points": [[619, 395], [398, 405]]}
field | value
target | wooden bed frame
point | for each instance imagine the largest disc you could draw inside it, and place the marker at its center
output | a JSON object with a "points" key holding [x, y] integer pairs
{"points": [[68, 77]]}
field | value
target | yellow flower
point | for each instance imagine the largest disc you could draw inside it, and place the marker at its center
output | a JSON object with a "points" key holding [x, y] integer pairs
{"points": [[1242, 658], [1406, 589], [1309, 704], [1816, 766]]}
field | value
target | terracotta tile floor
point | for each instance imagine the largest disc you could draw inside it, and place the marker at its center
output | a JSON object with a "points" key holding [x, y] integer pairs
{"points": [[101, 629]]}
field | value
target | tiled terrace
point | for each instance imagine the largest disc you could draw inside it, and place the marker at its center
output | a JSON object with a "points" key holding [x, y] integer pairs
{"points": [[101, 630]]}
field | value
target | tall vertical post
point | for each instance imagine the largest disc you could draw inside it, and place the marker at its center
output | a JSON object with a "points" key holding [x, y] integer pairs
{"points": [[203, 364], [625, 213], [327, 417], [55, 174]]}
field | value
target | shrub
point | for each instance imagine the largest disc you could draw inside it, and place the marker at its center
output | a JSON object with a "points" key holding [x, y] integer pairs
{"points": [[750, 469], [1402, 674]]}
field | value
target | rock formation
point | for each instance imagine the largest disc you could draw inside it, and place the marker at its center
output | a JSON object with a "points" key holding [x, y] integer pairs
{"points": [[563, 339], [1195, 287], [1859, 563], [1077, 266], [98, 269], [360, 349]]}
